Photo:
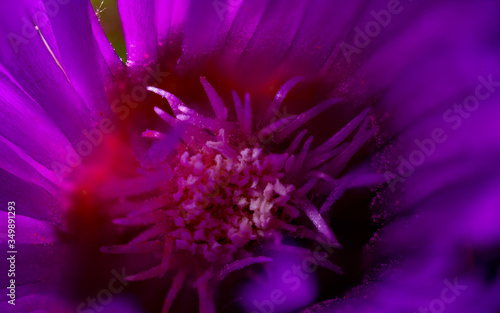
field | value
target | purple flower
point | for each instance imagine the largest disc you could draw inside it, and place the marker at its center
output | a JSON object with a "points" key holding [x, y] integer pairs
{"points": [[346, 149]]}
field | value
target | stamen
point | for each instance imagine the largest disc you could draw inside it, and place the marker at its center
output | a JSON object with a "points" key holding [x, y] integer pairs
{"points": [[206, 297], [165, 116], [149, 206], [215, 100], [351, 181], [317, 160], [308, 186], [337, 165], [199, 121], [150, 233], [143, 247], [289, 128], [141, 220], [342, 134], [203, 278], [153, 134], [296, 142], [174, 102], [323, 176], [240, 264], [147, 274], [276, 126], [223, 148], [243, 114], [281, 95], [333, 196], [312, 213], [160, 150], [247, 114], [238, 107], [302, 155], [176, 286], [168, 249]]}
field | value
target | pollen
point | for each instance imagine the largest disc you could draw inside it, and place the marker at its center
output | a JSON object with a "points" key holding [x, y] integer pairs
{"points": [[223, 201]]}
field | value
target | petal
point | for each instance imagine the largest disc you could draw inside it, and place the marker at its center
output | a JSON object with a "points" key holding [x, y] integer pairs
{"points": [[24, 54], [31, 199], [275, 31], [324, 24], [139, 28], [282, 284], [170, 17], [36, 263], [80, 54], [27, 124], [243, 28], [203, 30], [18, 163], [29, 230], [110, 58]]}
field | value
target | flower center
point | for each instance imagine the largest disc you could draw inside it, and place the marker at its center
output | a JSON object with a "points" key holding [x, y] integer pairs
{"points": [[222, 201], [217, 190]]}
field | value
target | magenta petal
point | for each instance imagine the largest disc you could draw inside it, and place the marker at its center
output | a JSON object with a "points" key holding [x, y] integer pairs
{"points": [[27, 124], [202, 30], [170, 17], [18, 163], [26, 58], [79, 54], [243, 28], [276, 30], [30, 230], [36, 263], [31, 199], [138, 22], [324, 25], [111, 60], [290, 291]]}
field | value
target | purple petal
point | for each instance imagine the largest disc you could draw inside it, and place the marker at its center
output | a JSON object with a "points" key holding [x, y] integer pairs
{"points": [[30, 230], [79, 54], [26, 123], [206, 28], [275, 31], [112, 61], [242, 29], [16, 162], [31, 199], [138, 23], [30, 63]]}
